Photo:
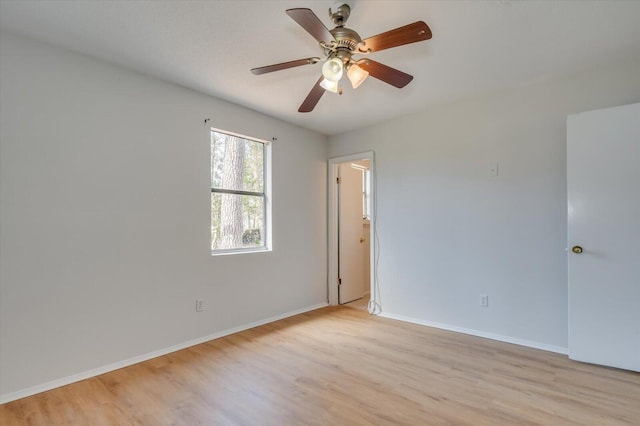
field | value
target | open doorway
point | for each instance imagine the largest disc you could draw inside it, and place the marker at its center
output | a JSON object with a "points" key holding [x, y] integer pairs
{"points": [[351, 229]]}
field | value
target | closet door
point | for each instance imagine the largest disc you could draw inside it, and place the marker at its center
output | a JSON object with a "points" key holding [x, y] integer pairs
{"points": [[350, 239], [603, 178]]}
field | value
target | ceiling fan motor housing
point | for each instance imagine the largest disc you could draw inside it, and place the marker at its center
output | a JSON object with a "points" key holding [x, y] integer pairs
{"points": [[345, 38]]}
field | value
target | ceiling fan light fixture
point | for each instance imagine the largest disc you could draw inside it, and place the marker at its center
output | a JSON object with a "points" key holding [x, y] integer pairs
{"points": [[330, 86], [333, 69], [357, 75]]}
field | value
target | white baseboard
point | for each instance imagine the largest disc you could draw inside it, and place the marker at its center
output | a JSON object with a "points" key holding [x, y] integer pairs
{"points": [[478, 333], [12, 396]]}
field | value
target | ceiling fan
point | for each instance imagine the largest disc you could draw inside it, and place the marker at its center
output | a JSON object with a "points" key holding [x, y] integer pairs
{"points": [[339, 46]]}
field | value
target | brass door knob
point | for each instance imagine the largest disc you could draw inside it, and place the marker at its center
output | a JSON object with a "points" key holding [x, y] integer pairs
{"points": [[362, 240], [576, 249]]}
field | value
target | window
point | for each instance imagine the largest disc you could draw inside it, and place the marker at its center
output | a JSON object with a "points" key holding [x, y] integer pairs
{"points": [[239, 197], [366, 194], [363, 166]]}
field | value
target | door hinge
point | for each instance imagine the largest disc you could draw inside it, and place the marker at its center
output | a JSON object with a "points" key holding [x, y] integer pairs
{"points": [[339, 281], [338, 180]]}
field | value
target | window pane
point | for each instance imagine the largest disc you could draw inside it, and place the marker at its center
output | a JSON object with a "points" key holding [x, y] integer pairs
{"points": [[236, 163], [237, 221]]}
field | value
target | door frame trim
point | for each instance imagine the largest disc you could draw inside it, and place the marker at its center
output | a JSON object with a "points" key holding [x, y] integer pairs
{"points": [[332, 223]]}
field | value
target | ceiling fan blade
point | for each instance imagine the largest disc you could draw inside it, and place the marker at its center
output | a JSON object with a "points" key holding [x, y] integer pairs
{"points": [[310, 22], [313, 97], [387, 74], [418, 31], [284, 65]]}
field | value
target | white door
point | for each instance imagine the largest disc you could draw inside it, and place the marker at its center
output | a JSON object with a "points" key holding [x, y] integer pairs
{"points": [[603, 177], [350, 238]]}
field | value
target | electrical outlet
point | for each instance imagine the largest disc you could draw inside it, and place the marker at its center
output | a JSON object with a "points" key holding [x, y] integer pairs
{"points": [[484, 301], [199, 305]]}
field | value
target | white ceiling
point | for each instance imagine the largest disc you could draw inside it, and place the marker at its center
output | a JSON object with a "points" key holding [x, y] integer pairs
{"points": [[210, 46]]}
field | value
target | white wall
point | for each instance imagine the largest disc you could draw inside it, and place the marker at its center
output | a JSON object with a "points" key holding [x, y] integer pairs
{"points": [[448, 232], [105, 217]]}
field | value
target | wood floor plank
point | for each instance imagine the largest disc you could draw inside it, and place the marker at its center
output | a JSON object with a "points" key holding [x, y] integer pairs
{"points": [[340, 366]]}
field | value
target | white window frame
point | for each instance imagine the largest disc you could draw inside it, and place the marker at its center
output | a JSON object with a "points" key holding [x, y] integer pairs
{"points": [[266, 164]]}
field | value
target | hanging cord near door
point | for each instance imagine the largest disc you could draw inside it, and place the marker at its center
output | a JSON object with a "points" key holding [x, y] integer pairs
{"points": [[374, 307]]}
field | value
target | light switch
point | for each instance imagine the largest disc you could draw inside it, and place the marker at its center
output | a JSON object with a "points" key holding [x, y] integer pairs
{"points": [[493, 170]]}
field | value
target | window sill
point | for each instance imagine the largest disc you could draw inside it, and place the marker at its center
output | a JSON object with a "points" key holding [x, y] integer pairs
{"points": [[239, 251]]}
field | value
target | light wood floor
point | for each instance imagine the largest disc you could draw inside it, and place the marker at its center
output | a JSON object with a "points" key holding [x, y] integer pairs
{"points": [[340, 366], [362, 303]]}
